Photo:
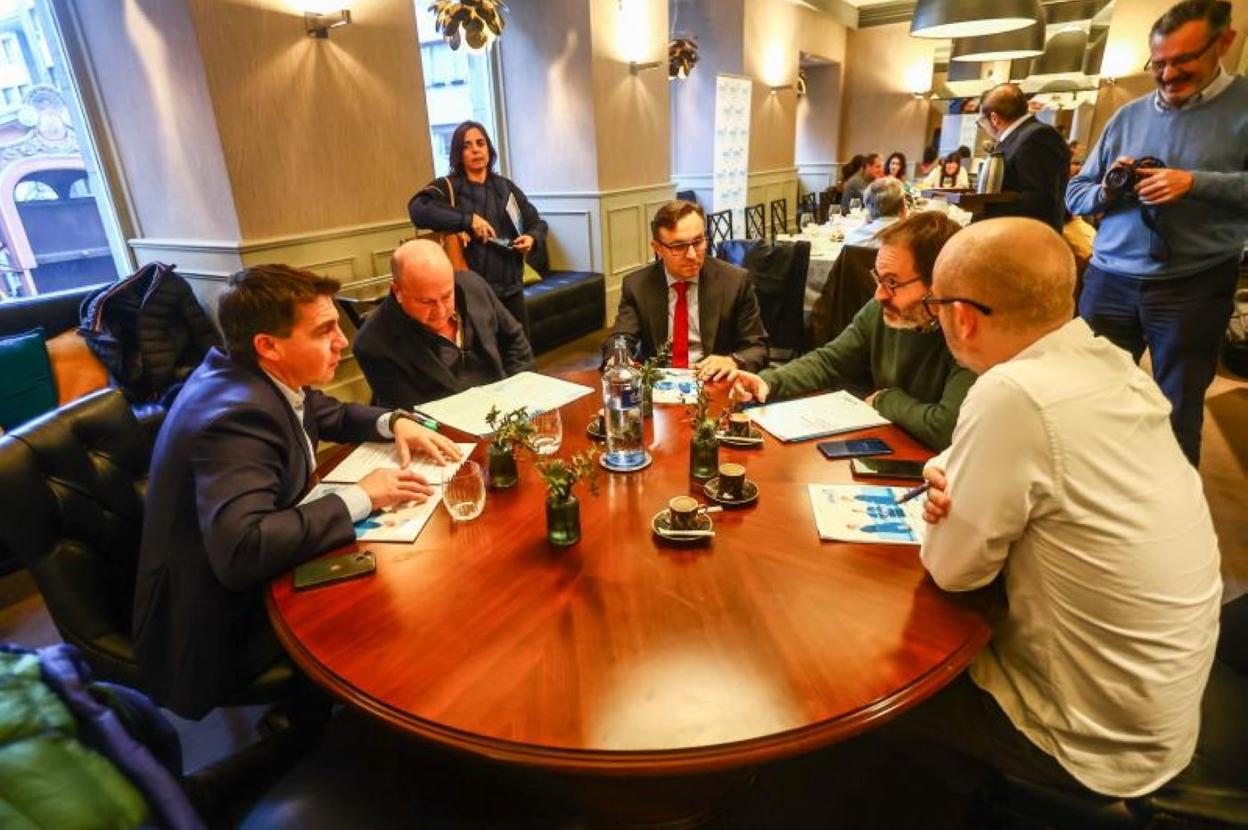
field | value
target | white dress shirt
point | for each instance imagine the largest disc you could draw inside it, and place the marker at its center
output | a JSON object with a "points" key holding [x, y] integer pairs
{"points": [[691, 296], [359, 505], [1064, 472]]}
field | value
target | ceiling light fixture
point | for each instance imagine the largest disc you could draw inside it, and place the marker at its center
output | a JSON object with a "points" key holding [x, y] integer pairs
{"points": [[1063, 56], [682, 56], [475, 22], [1027, 42], [972, 18]]}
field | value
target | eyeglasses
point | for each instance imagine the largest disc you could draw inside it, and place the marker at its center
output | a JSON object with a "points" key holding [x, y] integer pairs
{"points": [[682, 248], [929, 301], [1159, 66], [890, 284]]}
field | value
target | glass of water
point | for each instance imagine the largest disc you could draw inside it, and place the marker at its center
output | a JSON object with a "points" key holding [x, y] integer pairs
{"points": [[463, 492], [548, 434]]}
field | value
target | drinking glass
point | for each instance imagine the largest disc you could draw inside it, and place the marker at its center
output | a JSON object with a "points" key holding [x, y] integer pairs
{"points": [[548, 435], [855, 205], [463, 492]]}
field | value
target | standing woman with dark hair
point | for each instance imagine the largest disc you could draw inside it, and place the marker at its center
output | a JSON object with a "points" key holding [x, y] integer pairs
{"points": [[502, 225], [896, 166]]}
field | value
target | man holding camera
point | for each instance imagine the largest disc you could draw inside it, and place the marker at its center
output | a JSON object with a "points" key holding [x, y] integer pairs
{"points": [[1170, 174]]}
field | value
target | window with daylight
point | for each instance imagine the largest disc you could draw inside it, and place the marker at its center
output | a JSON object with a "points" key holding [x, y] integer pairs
{"points": [[58, 230], [459, 86]]}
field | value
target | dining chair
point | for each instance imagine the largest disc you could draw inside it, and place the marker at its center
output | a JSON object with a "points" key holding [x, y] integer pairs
{"points": [[779, 217], [720, 228], [755, 222]]}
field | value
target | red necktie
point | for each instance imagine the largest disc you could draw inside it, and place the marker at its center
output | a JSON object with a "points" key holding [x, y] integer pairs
{"points": [[680, 327]]}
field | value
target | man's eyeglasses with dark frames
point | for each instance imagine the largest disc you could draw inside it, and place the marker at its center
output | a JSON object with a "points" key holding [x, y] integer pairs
{"points": [[891, 284], [682, 248], [930, 302], [1159, 66]]}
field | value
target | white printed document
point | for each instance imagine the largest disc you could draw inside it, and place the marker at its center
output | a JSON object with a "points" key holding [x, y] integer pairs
{"points": [[866, 513], [376, 455], [401, 523], [466, 410], [675, 386], [816, 417]]}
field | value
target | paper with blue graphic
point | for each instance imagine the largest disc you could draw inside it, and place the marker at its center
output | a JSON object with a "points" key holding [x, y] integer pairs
{"points": [[675, 386], [866, 513]]}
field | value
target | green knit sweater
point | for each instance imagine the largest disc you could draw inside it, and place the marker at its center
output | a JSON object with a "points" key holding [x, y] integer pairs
{"points": [[923, 386]]}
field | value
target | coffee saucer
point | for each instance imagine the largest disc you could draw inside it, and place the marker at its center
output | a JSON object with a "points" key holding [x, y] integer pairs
{"points": [[749, 493], [754, 440], [595, 429], [615, 468], [661, 524]]}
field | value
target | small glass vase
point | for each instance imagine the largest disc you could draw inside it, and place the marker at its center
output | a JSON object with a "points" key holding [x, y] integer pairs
{"points": [[502, 464], [703, 458], [563, 520]]}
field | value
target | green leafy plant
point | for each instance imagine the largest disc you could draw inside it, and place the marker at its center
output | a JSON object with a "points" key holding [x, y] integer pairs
{"points": [[560, 475], [511, 430], [704, 426], [652, 369]]}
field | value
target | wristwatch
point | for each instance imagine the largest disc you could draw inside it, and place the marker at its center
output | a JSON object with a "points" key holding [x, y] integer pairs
{"points": [[400, 413]]}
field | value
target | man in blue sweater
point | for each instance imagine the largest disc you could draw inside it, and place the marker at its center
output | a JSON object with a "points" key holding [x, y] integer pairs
{"points": [[1164, 264]]}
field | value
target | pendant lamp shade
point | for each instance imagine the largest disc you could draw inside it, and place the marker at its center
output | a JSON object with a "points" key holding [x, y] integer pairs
{"points": [[972, 18], [1027, 42], [1063, 55]]}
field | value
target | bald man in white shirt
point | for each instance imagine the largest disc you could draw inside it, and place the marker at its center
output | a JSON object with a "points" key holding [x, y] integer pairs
{"points": [[1065, 476]]}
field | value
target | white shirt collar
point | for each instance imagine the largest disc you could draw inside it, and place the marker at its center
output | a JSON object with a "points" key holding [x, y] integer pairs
{"points": [[1006, 132], [1212, 90], [294, 397], [672, 280]]}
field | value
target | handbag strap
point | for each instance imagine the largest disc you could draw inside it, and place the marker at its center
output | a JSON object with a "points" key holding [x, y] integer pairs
{"points": [[450, 189]]}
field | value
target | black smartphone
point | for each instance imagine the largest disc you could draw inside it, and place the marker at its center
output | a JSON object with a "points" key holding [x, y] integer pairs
{"points": [[334, 569], [887, 468], [500, 242], [854, 448]]}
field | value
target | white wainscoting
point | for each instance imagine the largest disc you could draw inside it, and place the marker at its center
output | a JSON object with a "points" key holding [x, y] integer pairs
{"points": [[815, 177], [356, 256], [605, 231]]}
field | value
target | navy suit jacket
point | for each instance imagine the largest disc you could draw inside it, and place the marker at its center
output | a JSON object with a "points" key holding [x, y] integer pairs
{"points": [[403, 370], [729, 320], [221, 521], [1037, 165]]}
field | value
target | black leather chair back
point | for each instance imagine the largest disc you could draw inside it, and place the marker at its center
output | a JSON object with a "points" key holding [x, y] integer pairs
{"points": [[74, 482], [847, 290], [779, 271]]}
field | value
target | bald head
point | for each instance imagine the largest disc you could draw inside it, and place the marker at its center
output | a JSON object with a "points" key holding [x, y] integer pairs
{"points": [[423, 282], [1020, 268]]}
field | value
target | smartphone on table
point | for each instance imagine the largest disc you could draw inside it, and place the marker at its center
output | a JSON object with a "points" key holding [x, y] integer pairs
{"points": [[334, 569], [887, 468], [854, 448]]}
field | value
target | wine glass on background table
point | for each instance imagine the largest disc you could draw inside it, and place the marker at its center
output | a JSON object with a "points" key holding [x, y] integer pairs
{"points": [[463, 492], [548, 432]]}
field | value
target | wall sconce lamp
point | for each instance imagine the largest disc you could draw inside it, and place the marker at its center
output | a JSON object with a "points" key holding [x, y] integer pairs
{"points": [[780, 88], [318, 25], [635, 67]]}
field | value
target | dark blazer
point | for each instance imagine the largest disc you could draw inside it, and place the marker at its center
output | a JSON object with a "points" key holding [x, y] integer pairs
{"points": [[1037, 165], [401, 367], [729, 321], [221, 521]]}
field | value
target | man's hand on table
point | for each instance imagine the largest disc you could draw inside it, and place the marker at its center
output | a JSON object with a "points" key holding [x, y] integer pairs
{"points": [[747, 386], [937, 506], [715, 367], [389, 487], [410, 436]]}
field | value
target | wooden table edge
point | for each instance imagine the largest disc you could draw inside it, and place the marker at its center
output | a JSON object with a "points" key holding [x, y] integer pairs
{"points": [[711, 758]]}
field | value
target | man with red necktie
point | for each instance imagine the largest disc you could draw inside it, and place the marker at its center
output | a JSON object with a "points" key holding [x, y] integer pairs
{"points": [[705, 306]]}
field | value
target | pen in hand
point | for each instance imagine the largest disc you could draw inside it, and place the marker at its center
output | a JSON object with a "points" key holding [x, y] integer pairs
{"points": [[914, 493]]}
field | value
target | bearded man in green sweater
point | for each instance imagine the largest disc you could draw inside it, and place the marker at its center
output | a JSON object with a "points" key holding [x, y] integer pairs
{"points": [[892, 346]]}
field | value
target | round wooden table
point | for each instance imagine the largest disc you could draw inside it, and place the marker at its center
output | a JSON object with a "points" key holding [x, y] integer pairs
{"points": [[625, 654]]}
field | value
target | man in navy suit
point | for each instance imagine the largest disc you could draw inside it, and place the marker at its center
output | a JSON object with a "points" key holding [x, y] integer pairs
{"points": [[1037, 158], [233, 459], [439, 332]]}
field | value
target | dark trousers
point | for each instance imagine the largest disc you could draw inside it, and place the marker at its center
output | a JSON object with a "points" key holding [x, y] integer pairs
{"points": [[1180, 321], [966, 720], [515, 304]]}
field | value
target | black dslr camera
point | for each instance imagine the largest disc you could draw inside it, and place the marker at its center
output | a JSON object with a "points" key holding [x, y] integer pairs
{"points": [[1123, 178]]}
